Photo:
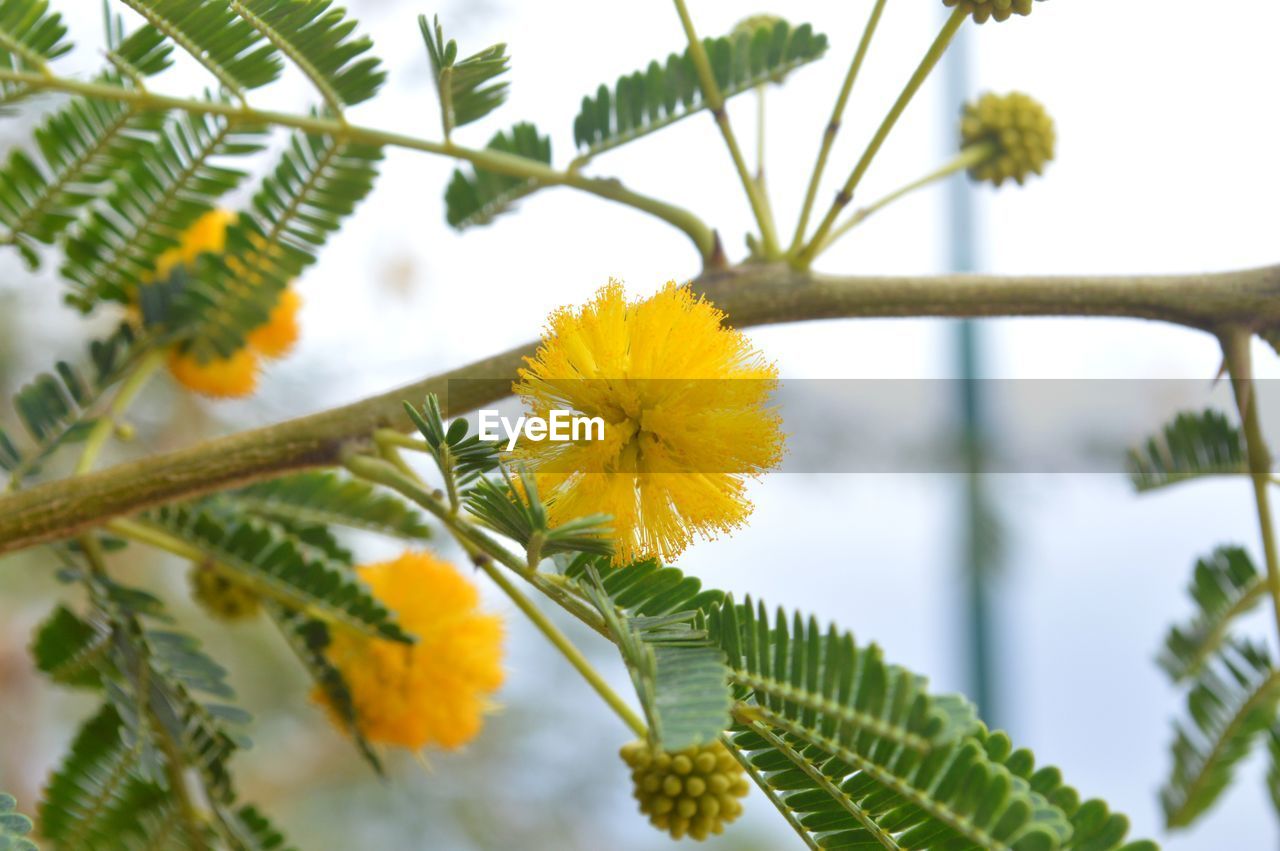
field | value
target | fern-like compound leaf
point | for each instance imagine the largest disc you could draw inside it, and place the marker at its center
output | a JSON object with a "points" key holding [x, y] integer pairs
{"points": [[69, 649], [1224, 586], [30, 35], [308, 638], [646, 101], [478, 196], [177, 180], [325, 498], [860, 753], [273, 567], [14, 826], [679, 673], [317, 183], [1192, 446], [80, 149], [98, 799], [316, 37], [1233, 701], [466, 86], [59, 407], [235, 53]]}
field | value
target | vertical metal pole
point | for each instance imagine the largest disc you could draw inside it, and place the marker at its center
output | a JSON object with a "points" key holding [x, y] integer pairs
{"points": [[978, 527]]}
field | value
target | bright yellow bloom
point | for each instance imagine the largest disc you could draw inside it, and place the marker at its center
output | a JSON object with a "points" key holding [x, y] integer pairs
{"points": [[277, 337], [434, 692], [237, 375], [685, 405], [221, 378]]}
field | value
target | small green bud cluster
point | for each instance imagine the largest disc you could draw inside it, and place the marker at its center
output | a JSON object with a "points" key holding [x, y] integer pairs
{"points": [[1018, 129], [693, 792], [1001, 10], [221, 597]]}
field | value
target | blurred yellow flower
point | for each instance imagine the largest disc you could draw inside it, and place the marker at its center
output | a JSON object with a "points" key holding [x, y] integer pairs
{"points": [[235, 376], [220, 378], [277, 338], [434, 692], [685, 405]]}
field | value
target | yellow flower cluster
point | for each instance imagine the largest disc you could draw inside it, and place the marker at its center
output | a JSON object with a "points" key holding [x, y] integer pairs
{"points": [[1001, 10], [1019, 130], [223, 598], [684, 400], [693, 792], [433, 692], [236, 375]]}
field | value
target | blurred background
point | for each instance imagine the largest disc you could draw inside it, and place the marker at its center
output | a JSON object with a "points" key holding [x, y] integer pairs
{"points": [[1166, 163]]}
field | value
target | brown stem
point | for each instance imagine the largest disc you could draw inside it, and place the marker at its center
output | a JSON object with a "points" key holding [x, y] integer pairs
{"points": [[753, 294]]}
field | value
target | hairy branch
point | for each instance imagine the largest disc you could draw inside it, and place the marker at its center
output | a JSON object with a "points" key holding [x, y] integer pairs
{"points": [[756, 294]]}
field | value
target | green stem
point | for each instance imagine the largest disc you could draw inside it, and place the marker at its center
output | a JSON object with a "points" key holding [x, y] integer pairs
{"points": [[1235, 348], [927, 64], [715, 102], [833, 125], [107, 423], [489, 160], [566, 648], [967, 158], [471, 537]]}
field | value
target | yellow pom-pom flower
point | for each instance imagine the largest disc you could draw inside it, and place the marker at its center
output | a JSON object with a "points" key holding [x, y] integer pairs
{"points": [[436, 691], [1018, 130], [222, 597], [684, 400], [221, 378], [694, 792], [1001, 10], [235, 376], [277, 337]]}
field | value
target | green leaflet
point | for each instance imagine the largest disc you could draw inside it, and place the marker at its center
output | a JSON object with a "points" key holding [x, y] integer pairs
{"points": [[97, 799], [465, 87], [1093, 826], [317, 183], [308, 638], [174, 183], [59, 407], [1224, 586], [14, 826], [326, 498], [1233, 702], [228, 47], [316, 38], [273, 567], [678, 672], [81, 149], [646, 101], [1192, 446], [69, 649], [478, 196], [30, 34]]}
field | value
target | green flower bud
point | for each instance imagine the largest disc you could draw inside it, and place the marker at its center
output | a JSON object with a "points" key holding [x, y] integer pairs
{"points": [[692, 793], [221, 597], [1018, 130], [1001, 10]]}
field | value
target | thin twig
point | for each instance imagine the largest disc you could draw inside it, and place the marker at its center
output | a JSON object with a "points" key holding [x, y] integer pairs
{"points": [[833, 124], [715, 102], [1235, 348]]}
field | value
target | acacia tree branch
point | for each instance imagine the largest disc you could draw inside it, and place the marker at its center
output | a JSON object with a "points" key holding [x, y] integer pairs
{"points": [[752, 294]]}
